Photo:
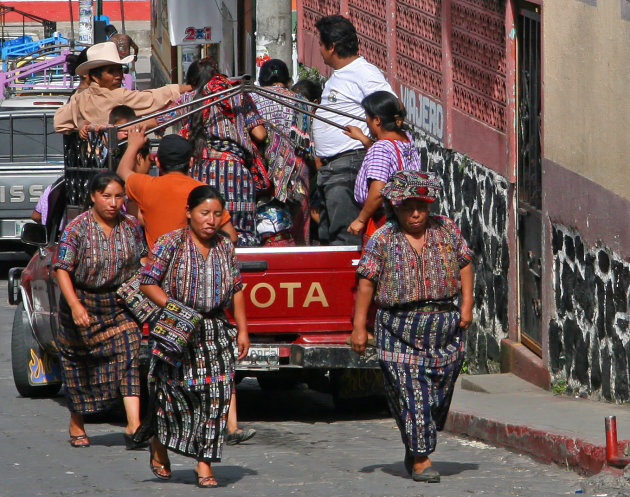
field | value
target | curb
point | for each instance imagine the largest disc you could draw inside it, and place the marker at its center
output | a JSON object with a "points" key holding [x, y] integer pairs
{"points": [[584, 457]]}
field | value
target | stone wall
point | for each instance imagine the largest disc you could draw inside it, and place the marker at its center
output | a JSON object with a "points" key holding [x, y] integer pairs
{"points": [[476, 198], [588, 334]]}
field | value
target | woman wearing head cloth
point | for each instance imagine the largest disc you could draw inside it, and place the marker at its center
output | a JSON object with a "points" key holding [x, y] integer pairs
{"points": [[415, 266], [224, 138], [289, 133]]}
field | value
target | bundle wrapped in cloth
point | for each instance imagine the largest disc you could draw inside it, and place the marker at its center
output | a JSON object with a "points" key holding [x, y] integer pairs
{"points": [[174, 326]]}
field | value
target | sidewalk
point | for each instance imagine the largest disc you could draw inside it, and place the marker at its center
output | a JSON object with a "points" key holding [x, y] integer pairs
{"points": [[506, 411]]}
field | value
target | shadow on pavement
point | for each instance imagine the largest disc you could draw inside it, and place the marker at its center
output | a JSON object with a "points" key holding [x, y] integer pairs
{"points": [[444, 468], [449, 468], [299, 403]]}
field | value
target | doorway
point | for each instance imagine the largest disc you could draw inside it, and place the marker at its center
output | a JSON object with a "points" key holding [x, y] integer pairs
{"points": [[529, 207]]}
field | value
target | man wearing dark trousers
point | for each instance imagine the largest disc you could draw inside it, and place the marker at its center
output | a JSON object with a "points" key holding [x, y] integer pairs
{"points": [[339, 156]]}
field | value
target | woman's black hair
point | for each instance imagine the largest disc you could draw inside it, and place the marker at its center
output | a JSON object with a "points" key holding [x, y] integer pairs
{"points": [[207, 68], [385, 106], [99, 182], [339, 31], [273, 71], [73, 61], [309, 89], [202, 193], [192, 74]]}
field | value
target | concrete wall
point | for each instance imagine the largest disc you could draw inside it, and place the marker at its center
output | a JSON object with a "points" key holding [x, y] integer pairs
{"points": [[586, 195], [586, 94]]}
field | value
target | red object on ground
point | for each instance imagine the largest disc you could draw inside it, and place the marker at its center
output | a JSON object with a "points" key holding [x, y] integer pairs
{"points": [[612, 446]]}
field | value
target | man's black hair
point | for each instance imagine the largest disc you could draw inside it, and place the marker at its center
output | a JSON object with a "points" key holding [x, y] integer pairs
{"points": [[338, 31]]}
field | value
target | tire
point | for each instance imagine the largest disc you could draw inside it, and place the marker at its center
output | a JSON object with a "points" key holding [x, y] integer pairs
{"points": [[22, 342]]}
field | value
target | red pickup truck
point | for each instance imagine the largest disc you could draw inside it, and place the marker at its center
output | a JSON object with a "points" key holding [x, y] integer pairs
{"points": [[299, 307]]}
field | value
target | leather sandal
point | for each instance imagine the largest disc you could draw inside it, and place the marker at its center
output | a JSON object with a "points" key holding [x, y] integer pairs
{"points": [[79, 441], [131, 444], [206, 481], [157, 467]]}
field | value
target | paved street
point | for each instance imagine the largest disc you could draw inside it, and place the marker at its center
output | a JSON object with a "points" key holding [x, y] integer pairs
{"points": [[303, 446]]}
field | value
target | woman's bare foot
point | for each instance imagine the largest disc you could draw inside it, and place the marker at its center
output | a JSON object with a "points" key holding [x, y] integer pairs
{"points": [[78, 437], [421, 463]]}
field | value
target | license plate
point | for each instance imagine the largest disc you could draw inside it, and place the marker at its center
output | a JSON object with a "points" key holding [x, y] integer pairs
{"points": [[261, 357]]}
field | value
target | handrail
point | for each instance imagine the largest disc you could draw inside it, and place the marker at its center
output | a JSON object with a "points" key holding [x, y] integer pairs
{"points": [[168, 110], [264, 91], [45, 51], [308, 113], [234, 91], [243, 87]]}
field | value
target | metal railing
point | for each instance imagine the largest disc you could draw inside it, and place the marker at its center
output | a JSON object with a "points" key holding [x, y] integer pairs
{"points": [[85, 158]]}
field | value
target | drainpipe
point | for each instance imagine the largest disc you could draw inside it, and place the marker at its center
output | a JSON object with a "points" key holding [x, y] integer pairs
{"points": [[612, 447]]}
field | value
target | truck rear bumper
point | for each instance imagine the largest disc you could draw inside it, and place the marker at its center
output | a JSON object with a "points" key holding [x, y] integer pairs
{"points": [[310, 357]]}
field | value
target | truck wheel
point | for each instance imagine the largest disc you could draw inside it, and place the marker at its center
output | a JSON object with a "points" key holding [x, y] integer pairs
{"points": [[22, 343]]}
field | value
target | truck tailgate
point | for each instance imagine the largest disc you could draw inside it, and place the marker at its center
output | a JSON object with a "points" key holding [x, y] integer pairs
{"points": [[299, 289]]}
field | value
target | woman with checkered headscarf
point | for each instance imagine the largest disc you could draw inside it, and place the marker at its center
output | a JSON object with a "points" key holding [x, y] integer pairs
{"points": [[415, 267]]}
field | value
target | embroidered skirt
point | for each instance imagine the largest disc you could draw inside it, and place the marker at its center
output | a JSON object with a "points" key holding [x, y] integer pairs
{"points": [[98, 363], [189, 404], [421, 355]]}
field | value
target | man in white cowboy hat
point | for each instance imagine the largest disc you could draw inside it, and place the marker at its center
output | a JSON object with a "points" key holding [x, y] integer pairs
{"points": [[104, 69]]}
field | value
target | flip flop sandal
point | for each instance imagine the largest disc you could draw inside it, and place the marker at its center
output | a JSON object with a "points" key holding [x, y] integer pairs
{"points": [[206, 481], [157, 467], [78, 441]]}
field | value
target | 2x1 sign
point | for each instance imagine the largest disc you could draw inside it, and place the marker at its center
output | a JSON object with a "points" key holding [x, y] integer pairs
{"points": [[191, 22]]}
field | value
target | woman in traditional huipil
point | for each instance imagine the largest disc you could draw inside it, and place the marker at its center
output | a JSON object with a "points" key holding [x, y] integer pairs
{"points": [[415, 266], [289, 133], [226, 156], [197, 267], [98, 340]]}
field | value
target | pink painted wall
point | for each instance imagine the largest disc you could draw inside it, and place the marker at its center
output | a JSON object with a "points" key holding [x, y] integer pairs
{"points": [[449, 60]]}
